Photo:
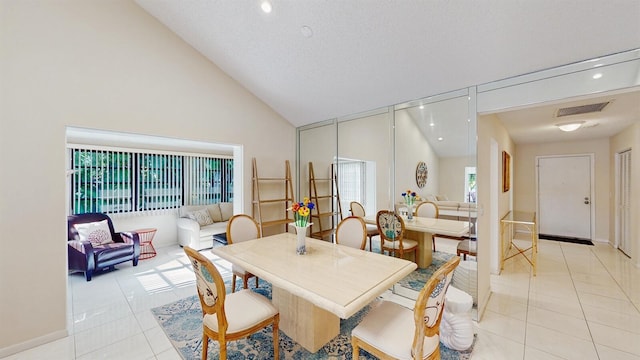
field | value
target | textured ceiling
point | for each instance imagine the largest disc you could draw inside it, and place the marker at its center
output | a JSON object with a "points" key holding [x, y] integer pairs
{"points": [[365, 54]]}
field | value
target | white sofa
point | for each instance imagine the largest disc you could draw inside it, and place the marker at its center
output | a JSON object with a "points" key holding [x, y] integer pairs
{"points": [[445, 204], [196, 230]]}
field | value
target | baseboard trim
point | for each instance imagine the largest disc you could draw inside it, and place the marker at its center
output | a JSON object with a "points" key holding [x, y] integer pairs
{"points": [[26, 345]]}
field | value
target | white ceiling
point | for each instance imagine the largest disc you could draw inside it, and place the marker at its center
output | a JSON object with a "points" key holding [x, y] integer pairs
{"points": [[366, 54]]}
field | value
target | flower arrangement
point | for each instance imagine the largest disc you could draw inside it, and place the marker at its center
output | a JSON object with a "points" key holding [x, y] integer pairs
{"points": [[302, 212], [409, 197]]}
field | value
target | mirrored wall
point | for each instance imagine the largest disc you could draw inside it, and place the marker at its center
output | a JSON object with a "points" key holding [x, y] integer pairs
{"points": [[375, 156]]}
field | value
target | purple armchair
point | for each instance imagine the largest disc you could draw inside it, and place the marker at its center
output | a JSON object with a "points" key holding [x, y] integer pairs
{"points": [[97, 252]]}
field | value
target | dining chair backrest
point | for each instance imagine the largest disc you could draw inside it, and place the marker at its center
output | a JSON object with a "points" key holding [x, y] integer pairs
{"points": [[210, 285], [430, 305], [427, 209], [242, 227], [357, 209], [352, 232], [390, 225]]}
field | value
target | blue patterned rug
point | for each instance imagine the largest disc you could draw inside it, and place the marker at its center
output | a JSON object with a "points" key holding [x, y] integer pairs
{"points": [[182, 322]]}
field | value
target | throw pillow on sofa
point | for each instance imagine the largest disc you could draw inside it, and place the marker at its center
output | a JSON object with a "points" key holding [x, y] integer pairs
{"points": [[97, 233], [214, 211], [226, 208], [201, 216]]}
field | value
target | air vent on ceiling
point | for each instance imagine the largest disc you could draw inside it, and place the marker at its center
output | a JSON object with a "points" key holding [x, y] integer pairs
{"points": [[582, 109]]}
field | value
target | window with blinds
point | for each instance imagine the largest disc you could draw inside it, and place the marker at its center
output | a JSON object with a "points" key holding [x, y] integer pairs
{"points": [[352, 181], [111, 181]]}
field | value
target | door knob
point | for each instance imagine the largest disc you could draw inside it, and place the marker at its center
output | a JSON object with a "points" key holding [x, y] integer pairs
{"points": [[586, 202]]}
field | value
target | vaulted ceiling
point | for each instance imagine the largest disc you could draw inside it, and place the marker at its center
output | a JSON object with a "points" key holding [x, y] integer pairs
{"points": [[321, 59]]}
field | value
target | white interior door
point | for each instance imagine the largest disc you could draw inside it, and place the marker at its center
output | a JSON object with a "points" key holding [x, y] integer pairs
{"points": [[564, 196], [623, 201]]}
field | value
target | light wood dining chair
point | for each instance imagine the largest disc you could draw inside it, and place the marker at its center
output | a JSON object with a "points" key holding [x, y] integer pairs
{"points": [[429, 209], [240, 228], [391, 331], [229, 317], [391, 229], [352, 232], [372, 230]]}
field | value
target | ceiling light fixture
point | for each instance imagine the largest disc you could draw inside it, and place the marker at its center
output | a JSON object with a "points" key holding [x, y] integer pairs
{"points": [[572, 126], [266, 6], [597, 76], [440, 138]]}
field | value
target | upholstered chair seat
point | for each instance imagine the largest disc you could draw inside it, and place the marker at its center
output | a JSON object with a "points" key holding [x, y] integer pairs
{"points": [[238, 318], [392, 331]]}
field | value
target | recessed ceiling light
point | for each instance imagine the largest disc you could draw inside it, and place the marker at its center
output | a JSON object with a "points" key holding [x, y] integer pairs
{"points": [[421, 106], [306, 31], [597, 76], [440, 138], [432, 124], [266, 6]]}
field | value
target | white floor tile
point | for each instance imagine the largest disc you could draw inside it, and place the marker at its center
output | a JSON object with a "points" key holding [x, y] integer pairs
{"points": [[130, 348], [490, 346], [559, 344], [97, 338], [535, 354], [607, 353], [615, 338], [624, 321], [504, 326], [565, 324]]}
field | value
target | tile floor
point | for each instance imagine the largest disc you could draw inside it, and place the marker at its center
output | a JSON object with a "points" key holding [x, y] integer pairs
{"points": [[584, 304]]}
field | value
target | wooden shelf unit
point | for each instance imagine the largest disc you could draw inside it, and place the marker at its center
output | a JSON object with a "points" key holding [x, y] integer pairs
{"points": [[327, 204], [260, 203]]}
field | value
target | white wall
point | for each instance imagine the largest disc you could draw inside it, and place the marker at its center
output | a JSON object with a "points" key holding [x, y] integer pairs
{"points": [[451, 177], [105, 65], [411, 148], [626, 139], [524, 171], [490, 128], [368, 138]]}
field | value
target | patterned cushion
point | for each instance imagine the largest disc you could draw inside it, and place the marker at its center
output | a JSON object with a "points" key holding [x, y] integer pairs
{"points": [[201, 216], [98, 233]]}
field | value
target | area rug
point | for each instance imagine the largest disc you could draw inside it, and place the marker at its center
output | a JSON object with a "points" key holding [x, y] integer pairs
{"points": [[182, 322]]}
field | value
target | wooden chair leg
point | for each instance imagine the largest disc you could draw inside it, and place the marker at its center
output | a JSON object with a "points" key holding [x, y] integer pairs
{"points": [[276, 341], [233, 283], [356, 349], [433, 239], [205, 346], [256, 281], [245, 281]]}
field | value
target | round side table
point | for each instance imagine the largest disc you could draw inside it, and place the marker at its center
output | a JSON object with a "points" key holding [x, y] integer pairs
{"points": [[147, 250]]}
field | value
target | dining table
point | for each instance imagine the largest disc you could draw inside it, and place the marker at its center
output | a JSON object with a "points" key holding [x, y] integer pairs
{"points": [[314, 291], [421, 229]]}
